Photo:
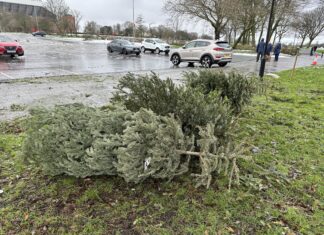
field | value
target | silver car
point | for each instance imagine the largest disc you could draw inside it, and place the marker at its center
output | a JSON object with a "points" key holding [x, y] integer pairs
{"points": [[206, 52], [123, 46]]}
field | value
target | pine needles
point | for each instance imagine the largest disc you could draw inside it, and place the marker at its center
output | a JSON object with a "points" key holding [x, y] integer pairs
{"points": [[152, 129]]}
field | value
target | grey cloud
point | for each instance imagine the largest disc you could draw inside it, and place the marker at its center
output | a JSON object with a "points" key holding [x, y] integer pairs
{"points": [[107, 12]]}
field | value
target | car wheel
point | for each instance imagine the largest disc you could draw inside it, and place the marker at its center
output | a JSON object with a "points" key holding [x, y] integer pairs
{"points": [[157, 51], [206, 61], [222, 64], [110, 50], [143, 49], [175, 59]]}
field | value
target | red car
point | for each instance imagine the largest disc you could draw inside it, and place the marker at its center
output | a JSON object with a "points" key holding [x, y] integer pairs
{"points": [[10, 47]]}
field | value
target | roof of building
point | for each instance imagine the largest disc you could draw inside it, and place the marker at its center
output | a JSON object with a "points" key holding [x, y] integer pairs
{"points": [[38, 3]]}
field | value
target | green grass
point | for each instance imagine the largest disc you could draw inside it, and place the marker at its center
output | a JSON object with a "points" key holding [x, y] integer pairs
{"points": [[281, 192]]}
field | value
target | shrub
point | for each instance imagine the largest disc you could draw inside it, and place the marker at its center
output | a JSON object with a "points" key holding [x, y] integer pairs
{"points": [[245, 47], [237, 88], [289, 50]]}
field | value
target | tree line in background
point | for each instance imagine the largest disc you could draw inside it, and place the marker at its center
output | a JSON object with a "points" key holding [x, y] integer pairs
{"points": [[246, 21], [242, 22], [141, 30]]}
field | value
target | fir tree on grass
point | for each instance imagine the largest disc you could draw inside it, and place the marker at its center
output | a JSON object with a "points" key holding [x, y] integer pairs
{"points": [[150, 148]]}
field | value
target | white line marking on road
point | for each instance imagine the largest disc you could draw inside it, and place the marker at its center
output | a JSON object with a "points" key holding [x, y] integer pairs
{"points": [[68, 71], [6, 75]]}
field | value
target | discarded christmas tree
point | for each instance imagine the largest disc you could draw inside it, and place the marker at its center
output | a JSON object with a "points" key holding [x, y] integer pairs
{"points": [[152, 129]]}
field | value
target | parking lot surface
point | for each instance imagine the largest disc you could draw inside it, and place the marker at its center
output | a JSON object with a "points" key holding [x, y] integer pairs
{"points": [[50, 56]]}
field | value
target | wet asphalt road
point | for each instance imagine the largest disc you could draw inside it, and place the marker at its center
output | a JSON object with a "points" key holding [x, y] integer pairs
{"points": [[50, 56], [54, 57]]}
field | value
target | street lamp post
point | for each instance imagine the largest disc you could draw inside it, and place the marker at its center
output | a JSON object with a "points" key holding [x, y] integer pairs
{"points": [[263, 60], [35, 11], [134, 20]]}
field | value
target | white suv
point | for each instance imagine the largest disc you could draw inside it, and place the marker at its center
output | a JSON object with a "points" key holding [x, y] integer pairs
{"points": [[155, 45], [206, 52]]}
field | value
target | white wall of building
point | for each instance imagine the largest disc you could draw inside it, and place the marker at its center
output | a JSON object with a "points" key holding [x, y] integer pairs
{"points": [[38, 3]]}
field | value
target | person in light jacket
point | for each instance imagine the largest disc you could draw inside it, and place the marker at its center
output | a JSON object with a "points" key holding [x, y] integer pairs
{"points": [[277, 51]]}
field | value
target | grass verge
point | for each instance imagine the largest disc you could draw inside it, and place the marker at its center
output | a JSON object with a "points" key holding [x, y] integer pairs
{"points": [[281, 192]]}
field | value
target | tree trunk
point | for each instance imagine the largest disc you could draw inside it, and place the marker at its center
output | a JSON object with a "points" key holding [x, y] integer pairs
{"points": [[235, 34], [217, 33], [261, 33], [230, 37], [274, 38], [253, 31], [302, 43], [310, 42], [237, 41]]}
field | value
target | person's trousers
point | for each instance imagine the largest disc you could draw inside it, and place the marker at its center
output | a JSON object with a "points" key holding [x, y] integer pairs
{"points": [[276, 57], [258, 57]]}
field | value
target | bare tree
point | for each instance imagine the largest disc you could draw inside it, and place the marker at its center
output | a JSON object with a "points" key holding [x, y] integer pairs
{"points": [[300, 26], [92, 28], [282, 29], [77, 17], [284, 9], [215, 12], [59, 9], [175, 22], [140, 27], [245, 17], [309, 24], [316, 23]]}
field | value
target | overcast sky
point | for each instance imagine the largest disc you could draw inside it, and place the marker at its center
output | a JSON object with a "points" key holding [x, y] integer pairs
{"points": [[108, 12]]}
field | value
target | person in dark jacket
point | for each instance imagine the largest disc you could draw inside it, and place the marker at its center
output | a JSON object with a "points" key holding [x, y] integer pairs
{"points": [[260, 49], [277, 51], [268, 51]]}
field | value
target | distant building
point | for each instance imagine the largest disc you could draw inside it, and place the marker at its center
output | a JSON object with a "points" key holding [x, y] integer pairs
{"points": [[25, 7], [69, 21]]}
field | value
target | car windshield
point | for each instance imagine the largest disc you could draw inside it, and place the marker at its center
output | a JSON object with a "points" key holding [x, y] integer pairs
{"points": [[126, 42], [223, 44], [159, 41], [5, 39]]}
